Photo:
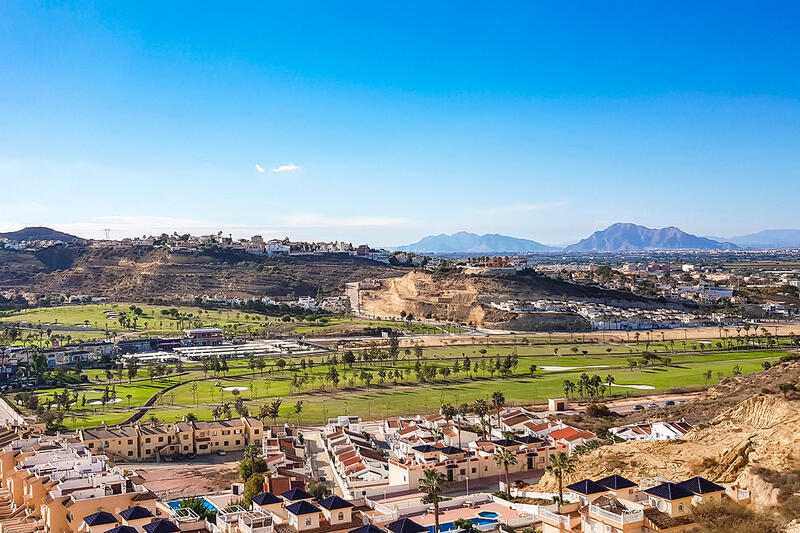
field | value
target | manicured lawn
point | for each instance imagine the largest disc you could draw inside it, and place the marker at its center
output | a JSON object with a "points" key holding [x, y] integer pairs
{"points": [[152, 322], [321, 399]]}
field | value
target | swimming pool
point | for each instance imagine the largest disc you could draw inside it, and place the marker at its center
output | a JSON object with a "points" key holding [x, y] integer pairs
{"points": [[483, 518], [206, 504]]}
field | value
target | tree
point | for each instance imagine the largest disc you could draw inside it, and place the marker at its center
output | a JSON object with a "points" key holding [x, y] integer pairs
{"points": [[132, 366], [707, 376], [560, 465], [246, 467], [273, 410], [198, 505], [609, 381], [498, 401], [253, 487], [505, 458], [481, 408], [318, 490], [432, 484], [449, 412]]}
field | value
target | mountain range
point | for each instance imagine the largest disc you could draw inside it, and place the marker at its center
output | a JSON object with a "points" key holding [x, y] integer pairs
{"points": [[39, 233], [618, 237], [470, 243], [621, 237], [771, 238]]}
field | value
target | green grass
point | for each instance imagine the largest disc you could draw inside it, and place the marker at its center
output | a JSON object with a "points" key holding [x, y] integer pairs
{"points": [[152, 322], [408, 397]]}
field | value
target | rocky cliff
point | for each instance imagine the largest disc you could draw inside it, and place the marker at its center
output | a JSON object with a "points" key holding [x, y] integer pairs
{"points": [[753, 444], [467, 298]]}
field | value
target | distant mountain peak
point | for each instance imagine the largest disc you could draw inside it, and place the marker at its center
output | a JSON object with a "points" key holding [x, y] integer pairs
{"points": [[39, 233], [464, 242], [770, 238], [624, 236]]}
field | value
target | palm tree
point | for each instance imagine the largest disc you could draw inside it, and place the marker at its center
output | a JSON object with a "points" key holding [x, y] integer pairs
{"points": [[609, 380], [432, 484], [498, 401], [449, 413], [560, 465], [505, 458], [481, 409]]}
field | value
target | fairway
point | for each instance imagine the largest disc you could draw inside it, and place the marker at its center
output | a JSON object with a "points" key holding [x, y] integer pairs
{"points": [[383, 387], [73, 323]]}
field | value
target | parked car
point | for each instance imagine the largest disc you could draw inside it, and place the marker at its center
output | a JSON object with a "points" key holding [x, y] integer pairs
{"points": [[668, 403], [518, 484], [681, 401], [638, 407], [652, 405]]}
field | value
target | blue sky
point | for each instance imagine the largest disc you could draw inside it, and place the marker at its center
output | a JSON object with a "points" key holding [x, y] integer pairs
{"points": [[390, 121]]}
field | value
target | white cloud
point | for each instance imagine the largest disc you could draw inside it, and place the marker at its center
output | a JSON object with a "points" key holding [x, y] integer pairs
{"points": [[521, 208], [260, 169], [289, 167]]}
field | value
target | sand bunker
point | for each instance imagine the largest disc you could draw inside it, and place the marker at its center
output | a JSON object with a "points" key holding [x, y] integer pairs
{"points": [[100, 402], [558, 368]]}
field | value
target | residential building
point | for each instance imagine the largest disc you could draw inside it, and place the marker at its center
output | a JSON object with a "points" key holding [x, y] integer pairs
{"points": [[149, 442]]}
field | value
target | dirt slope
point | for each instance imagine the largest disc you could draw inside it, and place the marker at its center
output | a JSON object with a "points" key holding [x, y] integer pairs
{"points": [[753, 443], [466, 298], [159, 273]]}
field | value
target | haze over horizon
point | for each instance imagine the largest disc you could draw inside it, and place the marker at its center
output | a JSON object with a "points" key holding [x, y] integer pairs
{"points": [[384, 124]]}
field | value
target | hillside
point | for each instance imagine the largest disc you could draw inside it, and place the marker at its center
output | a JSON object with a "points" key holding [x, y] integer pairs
{"points": [[467, 298], [139, 274], [38, 233], [745, 434], [631, 237], [470, 243]]}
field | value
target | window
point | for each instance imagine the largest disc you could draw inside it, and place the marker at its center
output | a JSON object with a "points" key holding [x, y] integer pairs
{"points": [[226, 443], [341, 516], [160, 439], [308, 521], [680, 508], [474, 470], [255, 432], [130, 453], [237, 442], [91, 445], [147, 440], [462, 472], [185, 448], [130, 441]]}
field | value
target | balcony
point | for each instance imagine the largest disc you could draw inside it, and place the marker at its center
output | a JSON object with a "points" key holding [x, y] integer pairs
{"points": [[558, 520], [622, 518]]}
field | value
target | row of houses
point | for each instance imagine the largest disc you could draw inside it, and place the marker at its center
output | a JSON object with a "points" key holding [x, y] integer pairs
{"points": [[617, 504], [57, 485], [356, 462], [396, 456], [150, 442]]}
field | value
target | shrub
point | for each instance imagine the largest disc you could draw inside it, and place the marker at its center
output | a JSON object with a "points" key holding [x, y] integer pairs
{"points": [[727, 516]]}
